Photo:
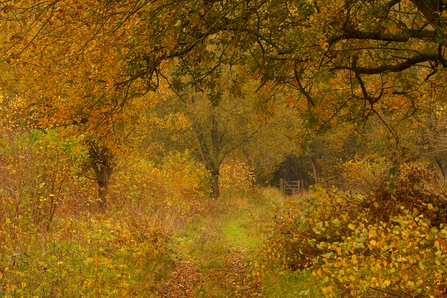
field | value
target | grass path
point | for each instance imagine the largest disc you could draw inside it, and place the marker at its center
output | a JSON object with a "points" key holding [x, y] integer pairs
{"points": [[212, 258]]}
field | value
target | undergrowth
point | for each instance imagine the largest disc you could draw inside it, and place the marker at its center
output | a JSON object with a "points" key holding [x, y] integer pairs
{"points": [[389, 239], [386, 238]]}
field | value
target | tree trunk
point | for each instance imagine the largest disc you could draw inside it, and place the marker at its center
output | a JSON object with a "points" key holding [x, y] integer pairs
{"points": [[215, 182], [103, 185], [430, 9], [316, 169], [210, 154], [442, 175], [101, 164], [216, 147]]}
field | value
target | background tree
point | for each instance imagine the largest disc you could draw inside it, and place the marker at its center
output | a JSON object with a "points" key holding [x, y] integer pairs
{"points": [[232, 128], [216, 130], [73, 83], [344, 61]]}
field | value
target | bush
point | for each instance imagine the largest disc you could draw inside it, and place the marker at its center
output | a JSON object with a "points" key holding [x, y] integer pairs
{"points": [[39, 170], [361, 175], [113, 256], [235, 176], [176, 185], [391, 239]]}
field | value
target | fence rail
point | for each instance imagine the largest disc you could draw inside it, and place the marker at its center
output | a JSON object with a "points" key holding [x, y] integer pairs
{"points": [[290, 187]]}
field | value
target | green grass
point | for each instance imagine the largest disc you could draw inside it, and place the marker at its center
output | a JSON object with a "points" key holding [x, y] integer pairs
{"points": [[236, 233]]}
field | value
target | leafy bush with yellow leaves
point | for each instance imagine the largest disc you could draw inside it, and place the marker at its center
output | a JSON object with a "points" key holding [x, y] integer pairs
{"points": [[119, 255], [39, 170], [390, 240], [363, 174], [235, 175], [176, 185]]}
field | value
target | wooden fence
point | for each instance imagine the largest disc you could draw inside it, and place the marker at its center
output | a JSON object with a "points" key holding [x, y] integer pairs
{"points": [[290, 187]]}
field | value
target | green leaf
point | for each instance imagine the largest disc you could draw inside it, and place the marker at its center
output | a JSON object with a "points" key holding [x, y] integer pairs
{"points": [[393, 171], [392, 188], [336, 222]]}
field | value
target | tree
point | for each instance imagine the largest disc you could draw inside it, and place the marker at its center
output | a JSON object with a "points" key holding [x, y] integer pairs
{"points": [[70, 83], [278, 138], [214, 131], [343, 60], [430, 140]]}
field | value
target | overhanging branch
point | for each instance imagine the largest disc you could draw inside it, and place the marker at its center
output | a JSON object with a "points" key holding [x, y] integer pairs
{"points": [[393, 68]]}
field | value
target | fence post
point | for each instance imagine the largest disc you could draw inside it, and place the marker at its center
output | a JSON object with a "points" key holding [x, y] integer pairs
{"points": [[281, 186]]}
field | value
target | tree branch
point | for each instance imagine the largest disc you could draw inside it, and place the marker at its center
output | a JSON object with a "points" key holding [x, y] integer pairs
{"points": [[409, 62], [301, 88]]}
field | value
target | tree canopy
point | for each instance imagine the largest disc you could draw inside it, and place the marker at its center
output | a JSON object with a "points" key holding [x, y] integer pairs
{"points": [[343, 60]]}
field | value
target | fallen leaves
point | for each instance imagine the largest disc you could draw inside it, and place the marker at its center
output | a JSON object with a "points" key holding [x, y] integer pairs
{"points": [[230, 276]]}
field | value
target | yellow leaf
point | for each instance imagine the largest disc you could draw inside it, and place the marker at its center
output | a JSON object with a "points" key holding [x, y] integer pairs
{"points": [[373, 242], [340, 200], [430, 206], [387, 282], [351, 226]]}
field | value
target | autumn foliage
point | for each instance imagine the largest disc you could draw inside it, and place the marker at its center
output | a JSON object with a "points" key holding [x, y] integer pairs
{"points": [[131, 133], [389, 239], [52, 230]]}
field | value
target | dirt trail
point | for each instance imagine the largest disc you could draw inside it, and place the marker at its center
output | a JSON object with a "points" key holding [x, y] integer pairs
{"points": [[227, 280]]}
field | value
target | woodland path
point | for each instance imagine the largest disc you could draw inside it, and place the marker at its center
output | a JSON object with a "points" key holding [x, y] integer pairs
{"points": [[218, 267], [188, 280]]}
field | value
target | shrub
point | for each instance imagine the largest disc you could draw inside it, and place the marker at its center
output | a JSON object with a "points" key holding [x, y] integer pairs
{"points": [[39, 169], [113, 256], [361, 175], [235, 175], [391, 239], [176, 185]]}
